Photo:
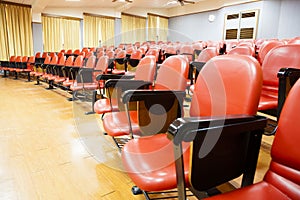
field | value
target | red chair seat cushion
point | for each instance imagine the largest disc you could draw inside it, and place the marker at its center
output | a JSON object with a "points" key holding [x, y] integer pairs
{"points": [[103, 106], [116, 123], [267, 102], [260, 191], [86, 86], [59, 79], [152, 167]]}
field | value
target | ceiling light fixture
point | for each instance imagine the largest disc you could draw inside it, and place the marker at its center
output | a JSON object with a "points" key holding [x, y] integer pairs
{"points": [[72, 0]]}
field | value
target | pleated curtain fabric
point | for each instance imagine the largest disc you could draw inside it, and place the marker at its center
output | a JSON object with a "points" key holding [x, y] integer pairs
{"points": [[152, 27], [52, 34], [4, 53], [98, 28], [133, 29], [60, 33], [16, 31], [71, 33], [107, 31], [163, 29]]}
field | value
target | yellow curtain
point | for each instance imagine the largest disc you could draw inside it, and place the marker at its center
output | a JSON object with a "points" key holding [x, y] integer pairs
{"points": [[71, 33], [52, 34], [163, 28], [107, 31], [4, 53], [92, 32], [98, 28], [152, 27], [133, 29], [19, 30]]}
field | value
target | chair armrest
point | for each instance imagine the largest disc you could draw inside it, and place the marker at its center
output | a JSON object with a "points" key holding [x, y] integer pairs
{"points": [[126, 84], [223, 148], [185, 129], [151, 95], [287, 78], [106, 77]]}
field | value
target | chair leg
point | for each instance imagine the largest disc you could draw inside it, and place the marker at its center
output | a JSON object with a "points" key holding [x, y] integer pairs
{"points": [[94, 96]]}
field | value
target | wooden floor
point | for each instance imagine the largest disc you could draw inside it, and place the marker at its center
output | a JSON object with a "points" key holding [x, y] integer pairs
{"points": [[50, 150]]}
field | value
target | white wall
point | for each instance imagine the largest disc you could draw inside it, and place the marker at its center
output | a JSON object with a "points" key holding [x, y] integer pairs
{"points": [[289, 20], [277, 19], [197, 27], [37, 36]]}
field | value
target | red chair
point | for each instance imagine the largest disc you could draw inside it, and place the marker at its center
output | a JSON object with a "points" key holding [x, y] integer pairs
{"points": [[21, 66], [295, 40], [72, 71], [65, 72], [285, 56], [133, 61], [120, 63], [266, 47], [154, 52], [282, 180], [242, 50], [144, 72], [188, 51], [40, 69], [149, 161], [172, 75], [195, 66], [57, 73], [29, 67], [49, 69], [85, 79]]}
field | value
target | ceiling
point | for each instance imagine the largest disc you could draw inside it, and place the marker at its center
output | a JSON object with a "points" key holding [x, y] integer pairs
{"points": [[99, 3], [103, 6], [109, 4]]}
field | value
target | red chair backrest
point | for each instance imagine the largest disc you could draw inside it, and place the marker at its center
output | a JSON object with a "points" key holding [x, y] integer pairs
{"points": [[173, 68], [70, 61], [136, 55], [102, 64], [78, 61], [295, 40], [54, 60], [241, 50], [61, 61], [18, 59], [38, 55], [284, 171], [266, 48], [207, 54], [121, 54], [222, 90], [91, 62], [24, 59], [279, 57], [47, 60], [153, 52], [45, 54], [69, 51], [146, 69], [77, 52]]}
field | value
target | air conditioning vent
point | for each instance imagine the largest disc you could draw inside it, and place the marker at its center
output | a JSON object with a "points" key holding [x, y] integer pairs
{"points": [[246, 33], [231, 34], [233, 16], [249, 14]]}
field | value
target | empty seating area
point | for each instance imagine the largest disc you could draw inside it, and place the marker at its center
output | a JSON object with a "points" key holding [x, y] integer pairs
{"points": [[137, 99], [158, 103]]}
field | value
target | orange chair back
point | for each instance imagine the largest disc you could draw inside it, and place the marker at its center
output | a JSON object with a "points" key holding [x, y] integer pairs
{"points": [[284, 171], [221, 85]]}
